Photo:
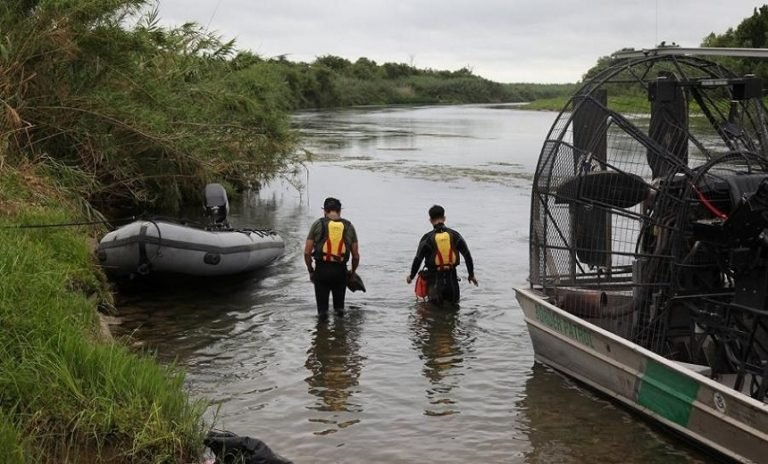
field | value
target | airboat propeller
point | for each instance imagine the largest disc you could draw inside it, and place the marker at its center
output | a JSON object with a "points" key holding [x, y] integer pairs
{"points": [[694, 153], [611, 188], [685, 276]]}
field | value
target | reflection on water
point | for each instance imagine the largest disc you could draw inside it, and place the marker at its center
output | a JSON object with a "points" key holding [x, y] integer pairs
{"points": [[567, 424], [334, 362], [392, 381], [150, 312], [442, 342]]}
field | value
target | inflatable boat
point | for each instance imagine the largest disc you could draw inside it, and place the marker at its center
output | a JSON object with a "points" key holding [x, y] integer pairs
{"points": [[160, 246]]}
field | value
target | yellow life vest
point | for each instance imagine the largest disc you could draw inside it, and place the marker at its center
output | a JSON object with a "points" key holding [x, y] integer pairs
{"points": [[445, 256], [334, 249]]}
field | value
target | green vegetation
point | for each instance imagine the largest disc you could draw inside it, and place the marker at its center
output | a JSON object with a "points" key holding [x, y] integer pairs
{"points": [[67, 392], [547, 104], [620, 103], [146, 114], [332, 81], [102, 109], [752, 32]]}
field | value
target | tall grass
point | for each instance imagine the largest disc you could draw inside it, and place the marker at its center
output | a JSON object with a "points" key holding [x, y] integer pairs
{"points": [[67, 393], [149, 114]]}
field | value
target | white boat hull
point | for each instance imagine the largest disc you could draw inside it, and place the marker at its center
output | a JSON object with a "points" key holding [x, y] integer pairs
{"points": [[672, 394], [145, 247]]}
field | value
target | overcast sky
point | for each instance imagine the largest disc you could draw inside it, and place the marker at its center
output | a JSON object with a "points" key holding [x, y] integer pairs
{"points": [[502, 40]]}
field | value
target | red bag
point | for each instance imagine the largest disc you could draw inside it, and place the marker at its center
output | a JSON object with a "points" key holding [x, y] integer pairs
{"points": [[421, 286]]}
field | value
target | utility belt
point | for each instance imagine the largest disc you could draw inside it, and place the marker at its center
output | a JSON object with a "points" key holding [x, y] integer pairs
{"points": [[438, 281], [431, 274], [334, 263]]}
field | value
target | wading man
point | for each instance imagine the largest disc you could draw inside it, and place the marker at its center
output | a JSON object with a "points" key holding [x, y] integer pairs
{"points": [[440, 249], [330, 242]]}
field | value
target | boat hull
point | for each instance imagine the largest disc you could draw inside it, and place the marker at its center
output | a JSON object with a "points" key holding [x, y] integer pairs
{"points": [[150, 247], [707, 412]]}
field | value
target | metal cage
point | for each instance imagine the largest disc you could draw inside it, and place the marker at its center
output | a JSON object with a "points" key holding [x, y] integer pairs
{"points": [[649, 211]]}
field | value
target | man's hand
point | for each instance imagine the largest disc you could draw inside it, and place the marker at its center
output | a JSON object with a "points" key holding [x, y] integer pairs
{"points": [[473, 280], [311, 274], [408, 279]]}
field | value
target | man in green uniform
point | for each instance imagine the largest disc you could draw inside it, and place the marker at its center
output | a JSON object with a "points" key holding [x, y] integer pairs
{"points": [[440, 249], [330, 243]]}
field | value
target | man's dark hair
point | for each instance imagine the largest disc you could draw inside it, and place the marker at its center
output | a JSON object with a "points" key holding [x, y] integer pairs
{"points": [[436, 212], [332, 204]]}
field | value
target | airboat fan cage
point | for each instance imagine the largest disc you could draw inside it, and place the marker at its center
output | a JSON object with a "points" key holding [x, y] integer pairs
{"points": [[637, 193]]}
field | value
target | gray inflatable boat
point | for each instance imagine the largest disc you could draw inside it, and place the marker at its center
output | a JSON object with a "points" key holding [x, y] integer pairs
{"points": [[160, 246]]}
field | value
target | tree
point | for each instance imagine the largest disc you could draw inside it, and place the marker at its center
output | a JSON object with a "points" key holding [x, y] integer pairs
{"points": [[752, 32], [334, 63], [365, 69]]}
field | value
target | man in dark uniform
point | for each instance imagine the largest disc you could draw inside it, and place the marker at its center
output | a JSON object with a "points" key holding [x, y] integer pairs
{"points": [[330, 242], [440, 249]]}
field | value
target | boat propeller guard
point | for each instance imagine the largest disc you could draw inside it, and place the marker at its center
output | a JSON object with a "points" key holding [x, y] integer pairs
{"points": [[661, 205]]}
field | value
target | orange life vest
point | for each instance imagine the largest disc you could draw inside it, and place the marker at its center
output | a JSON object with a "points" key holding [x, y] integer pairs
{"points": [[331, 247], [445, 255]]}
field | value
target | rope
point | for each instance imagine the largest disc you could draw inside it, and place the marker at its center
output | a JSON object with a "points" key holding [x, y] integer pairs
{"points": [[65, 224], [259, 232]]}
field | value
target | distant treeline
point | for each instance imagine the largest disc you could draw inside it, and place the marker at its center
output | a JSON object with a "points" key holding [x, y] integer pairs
{"points": [[332, 81], [752, 32]]}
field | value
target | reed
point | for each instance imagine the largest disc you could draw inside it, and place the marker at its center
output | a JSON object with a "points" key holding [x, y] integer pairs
{"points": [[148, 114]]}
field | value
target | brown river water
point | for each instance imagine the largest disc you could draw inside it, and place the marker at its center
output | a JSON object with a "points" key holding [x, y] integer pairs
{"points": [[394, 380]]}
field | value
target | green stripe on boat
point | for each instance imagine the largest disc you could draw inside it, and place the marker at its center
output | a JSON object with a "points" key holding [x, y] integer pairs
{"points": [[667, 392]]}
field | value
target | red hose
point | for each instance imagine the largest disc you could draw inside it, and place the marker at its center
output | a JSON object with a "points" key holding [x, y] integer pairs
{"points": [[707, 204]]}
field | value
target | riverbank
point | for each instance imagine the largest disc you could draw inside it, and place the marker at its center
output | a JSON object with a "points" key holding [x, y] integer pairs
{"points": [[68, 393], [618, 103]]}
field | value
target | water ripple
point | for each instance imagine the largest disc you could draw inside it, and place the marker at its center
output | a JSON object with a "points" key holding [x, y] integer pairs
{"points": [[393, 380]]}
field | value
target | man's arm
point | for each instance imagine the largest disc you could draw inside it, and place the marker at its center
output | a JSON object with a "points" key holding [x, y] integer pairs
{"points": [[464, 250], [309, 247], [354, 247], [355, 251], [421, 254], [414, 268]]}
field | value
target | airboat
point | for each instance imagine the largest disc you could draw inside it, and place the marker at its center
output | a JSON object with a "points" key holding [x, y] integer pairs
{"points": [[649, 245]]}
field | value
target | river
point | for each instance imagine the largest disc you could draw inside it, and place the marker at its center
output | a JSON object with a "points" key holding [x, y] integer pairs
{"points": [[393, 380]]}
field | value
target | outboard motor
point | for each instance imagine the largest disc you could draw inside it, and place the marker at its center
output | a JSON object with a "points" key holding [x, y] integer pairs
{"points": [[216, 206]]}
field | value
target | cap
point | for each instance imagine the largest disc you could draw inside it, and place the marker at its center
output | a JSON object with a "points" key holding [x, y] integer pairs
{"points": [[355, 283], [331, 203]]}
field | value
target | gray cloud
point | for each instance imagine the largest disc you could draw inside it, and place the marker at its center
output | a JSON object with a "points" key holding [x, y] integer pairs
{"points": [[506, 41]]}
